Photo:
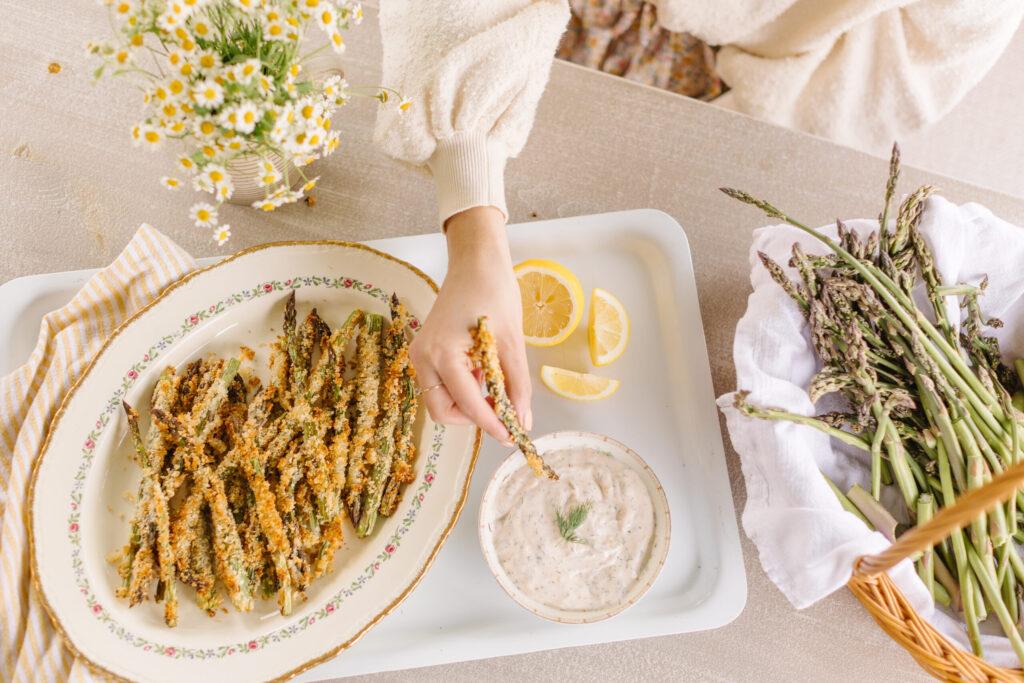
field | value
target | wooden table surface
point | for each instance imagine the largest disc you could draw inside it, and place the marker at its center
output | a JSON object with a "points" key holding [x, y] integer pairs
{"points": [[73, 190]]}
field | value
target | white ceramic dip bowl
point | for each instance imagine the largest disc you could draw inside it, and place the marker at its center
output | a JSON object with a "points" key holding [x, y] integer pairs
{"points": [[657, 549]]}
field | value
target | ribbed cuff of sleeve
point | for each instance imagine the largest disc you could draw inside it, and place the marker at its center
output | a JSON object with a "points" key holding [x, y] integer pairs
{"points": [[469, 170]]}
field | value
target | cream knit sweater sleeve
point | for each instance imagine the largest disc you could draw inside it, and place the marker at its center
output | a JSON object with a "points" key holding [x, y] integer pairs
{"points": [[474, 71]]}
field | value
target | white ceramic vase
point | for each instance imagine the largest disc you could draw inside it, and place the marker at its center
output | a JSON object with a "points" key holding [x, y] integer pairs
{"points": [[247, 169]]}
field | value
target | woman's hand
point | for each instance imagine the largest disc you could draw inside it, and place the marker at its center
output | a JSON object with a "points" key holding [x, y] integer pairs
{"points": [[479, 282]]}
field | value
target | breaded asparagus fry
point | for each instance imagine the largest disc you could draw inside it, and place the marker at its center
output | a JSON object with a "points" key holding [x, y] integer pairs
{"points": [[201, 565], [485, 354], [159, 514], [150, 457], [396, 357], [332, 540], [337, 458], [226, 542], [367, 407], [405, 449]]}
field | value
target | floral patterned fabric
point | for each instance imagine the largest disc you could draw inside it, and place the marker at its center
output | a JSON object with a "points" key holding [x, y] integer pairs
{"points": [[622, 37]]}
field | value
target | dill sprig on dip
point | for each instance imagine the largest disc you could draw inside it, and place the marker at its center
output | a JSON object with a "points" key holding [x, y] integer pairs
{"points": [[568, 524]]}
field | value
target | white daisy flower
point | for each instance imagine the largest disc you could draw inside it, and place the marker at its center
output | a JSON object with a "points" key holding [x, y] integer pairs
{"points": [[225, 190], [268, 204], [332, 142], [264, 85], [246, 5], [204, 128], [202, 184], [208, 60], [246, 71], [216, 174], [208, 93], [274, 30], [222, 234], [153, 137], [268, 174], [246, 117], [170, 182], [404, 106], [310, 184], [327, 16], [337, 41], [204, 215], [333, 86]]}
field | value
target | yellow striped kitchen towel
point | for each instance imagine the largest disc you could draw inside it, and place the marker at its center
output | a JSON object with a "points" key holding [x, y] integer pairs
{"points": [[30, 648]]}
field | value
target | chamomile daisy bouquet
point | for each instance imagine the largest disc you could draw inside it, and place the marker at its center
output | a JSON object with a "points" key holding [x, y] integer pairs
{"points": [[225, 80]]}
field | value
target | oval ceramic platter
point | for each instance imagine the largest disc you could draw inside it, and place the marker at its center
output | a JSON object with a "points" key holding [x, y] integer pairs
{"points": [[81, 487]]}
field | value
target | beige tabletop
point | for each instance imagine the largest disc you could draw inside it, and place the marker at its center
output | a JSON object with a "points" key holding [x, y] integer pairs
{"points": [[73, 190]]}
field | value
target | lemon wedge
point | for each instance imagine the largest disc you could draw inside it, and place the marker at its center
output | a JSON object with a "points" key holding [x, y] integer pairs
{"points": [[607, 327], [577, 386], [552, 301]]}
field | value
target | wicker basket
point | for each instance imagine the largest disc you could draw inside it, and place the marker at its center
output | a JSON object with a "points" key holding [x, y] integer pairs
{"points": [[894, 614]]}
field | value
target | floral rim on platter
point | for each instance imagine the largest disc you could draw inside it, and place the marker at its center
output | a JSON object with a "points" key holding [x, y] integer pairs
{"points": [[332, 650]]}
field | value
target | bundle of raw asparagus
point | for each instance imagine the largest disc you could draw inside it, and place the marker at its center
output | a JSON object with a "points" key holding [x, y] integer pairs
{"points": [[929, 399], [250, 491]]}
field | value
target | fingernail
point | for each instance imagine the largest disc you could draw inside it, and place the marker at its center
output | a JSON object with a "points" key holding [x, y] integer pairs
{"points": [[508, 443], [528, 421]]}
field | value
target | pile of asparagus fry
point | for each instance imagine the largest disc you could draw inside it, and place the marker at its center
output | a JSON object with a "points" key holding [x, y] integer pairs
{"points": [[246, 488], [929, 398]]}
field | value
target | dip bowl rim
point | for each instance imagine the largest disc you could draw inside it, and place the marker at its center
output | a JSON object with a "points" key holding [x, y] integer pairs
{"points": [[660, 540]]}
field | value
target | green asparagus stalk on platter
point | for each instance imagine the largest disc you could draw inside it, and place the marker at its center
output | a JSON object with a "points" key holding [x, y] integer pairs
{"points": [[929, 399]]}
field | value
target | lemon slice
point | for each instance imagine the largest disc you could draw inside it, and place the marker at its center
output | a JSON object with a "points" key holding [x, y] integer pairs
{"points": [[552, 301], [577, 386], [607, 327]]}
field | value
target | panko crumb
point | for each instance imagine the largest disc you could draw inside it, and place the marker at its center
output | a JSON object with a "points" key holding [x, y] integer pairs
{"points": [[110, 508], [115, 556], [128, 496], [246, 353]]}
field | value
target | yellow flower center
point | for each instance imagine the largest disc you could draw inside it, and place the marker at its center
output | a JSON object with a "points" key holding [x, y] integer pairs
{"points": [[275, 29], [206, 127], [203, 215], [137, 40], [186, 69], [201, 28], [176, 86], [250, 117], [307, 111], [268, 206], [210, 94], [207, 61], [152, 136]]}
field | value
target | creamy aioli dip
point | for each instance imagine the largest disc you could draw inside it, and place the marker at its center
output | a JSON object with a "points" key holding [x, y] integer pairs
{"points": [[617, 530]]}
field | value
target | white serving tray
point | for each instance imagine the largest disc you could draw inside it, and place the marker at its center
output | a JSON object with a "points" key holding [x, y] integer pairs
{"points": [[664, 410]]}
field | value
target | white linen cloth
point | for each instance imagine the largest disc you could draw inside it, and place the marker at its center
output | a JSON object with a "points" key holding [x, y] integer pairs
{"points": [[806, 541]]}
